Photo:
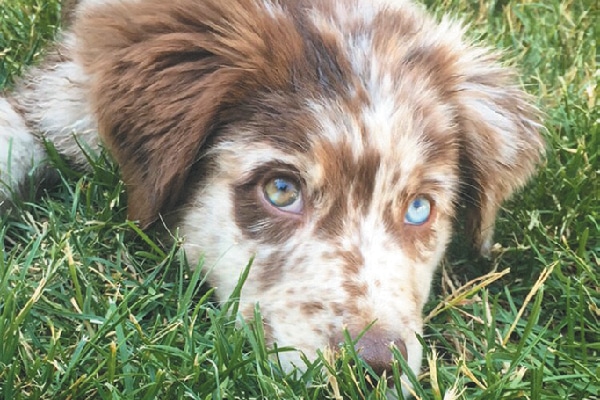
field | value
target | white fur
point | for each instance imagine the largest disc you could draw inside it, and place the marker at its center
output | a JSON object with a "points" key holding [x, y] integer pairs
{"points": [[55, 103], [20, 153]]}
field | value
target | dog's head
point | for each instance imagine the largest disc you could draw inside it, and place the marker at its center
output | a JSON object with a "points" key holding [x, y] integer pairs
{"points": [[331, 140]]}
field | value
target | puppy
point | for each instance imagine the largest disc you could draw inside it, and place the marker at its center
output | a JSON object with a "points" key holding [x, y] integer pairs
{"points": [[331, 140]]}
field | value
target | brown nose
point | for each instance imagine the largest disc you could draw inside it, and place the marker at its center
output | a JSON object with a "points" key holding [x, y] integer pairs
{"points": [[374, 347]]}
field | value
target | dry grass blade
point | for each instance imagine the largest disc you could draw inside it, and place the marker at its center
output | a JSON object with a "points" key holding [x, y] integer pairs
{"points": [[543, 276], [465, 291]]}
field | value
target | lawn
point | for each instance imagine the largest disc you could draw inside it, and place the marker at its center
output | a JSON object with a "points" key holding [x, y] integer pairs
{"points": [[91, 307]]}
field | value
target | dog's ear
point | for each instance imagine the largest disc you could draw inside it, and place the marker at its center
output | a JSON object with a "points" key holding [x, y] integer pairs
{"points": [[500, 140], [161, 75]]}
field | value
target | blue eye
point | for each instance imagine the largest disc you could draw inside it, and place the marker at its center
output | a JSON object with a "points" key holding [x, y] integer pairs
{"points": [[418, 211], [284, 194]]}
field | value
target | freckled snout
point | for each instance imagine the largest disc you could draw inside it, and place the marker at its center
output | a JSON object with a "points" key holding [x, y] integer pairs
{"points": [[374, 347]]}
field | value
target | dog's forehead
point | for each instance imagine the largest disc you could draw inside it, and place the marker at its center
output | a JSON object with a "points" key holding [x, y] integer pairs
{"points": [[367, 143], [370, 105], [329, 140], [380, 135], [356, 110]]}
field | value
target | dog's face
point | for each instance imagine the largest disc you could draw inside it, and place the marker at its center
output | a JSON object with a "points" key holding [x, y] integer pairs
{"points": [[346, 202], [330, 141]]}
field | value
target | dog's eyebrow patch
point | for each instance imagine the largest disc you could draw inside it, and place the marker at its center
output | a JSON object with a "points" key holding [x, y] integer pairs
{"points": [[267, 169]]}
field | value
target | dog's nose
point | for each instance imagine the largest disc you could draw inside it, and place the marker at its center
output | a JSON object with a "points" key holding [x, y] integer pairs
{"points": [[374, 347]]}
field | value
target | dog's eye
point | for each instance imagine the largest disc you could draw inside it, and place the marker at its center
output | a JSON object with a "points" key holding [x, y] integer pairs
{"points": [[284, 194], [418, 211]]}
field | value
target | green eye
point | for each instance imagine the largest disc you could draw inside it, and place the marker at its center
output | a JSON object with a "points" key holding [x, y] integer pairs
{"points": [[284, 194]]}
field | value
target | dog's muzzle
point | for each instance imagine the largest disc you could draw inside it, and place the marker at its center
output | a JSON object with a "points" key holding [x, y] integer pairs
{"points": [[375, 349]]}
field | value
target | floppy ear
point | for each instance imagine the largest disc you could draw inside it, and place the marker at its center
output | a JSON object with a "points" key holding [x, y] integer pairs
{"points": [[156, 92], [161, 73], [500, 140]]}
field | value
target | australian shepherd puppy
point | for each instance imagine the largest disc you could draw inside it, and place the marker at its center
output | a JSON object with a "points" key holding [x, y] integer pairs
{"points": [[331, 140]]}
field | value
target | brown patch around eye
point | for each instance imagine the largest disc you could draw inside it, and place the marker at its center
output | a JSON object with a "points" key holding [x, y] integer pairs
{"points": [[421, 233], [253, 218], [412, 237]]}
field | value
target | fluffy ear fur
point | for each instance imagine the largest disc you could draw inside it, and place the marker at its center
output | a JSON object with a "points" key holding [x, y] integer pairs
{"points": [[501, 144], [162, 73]]}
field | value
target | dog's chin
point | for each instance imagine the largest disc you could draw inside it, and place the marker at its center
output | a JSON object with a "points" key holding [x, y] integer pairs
{"points": [[295, 360]]}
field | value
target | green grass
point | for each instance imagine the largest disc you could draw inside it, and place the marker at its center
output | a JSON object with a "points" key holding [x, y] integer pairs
{"points": [[90, 307]]}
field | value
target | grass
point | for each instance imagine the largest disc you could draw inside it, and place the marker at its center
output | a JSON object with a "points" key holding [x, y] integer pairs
{"points": [[91, 307]]}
